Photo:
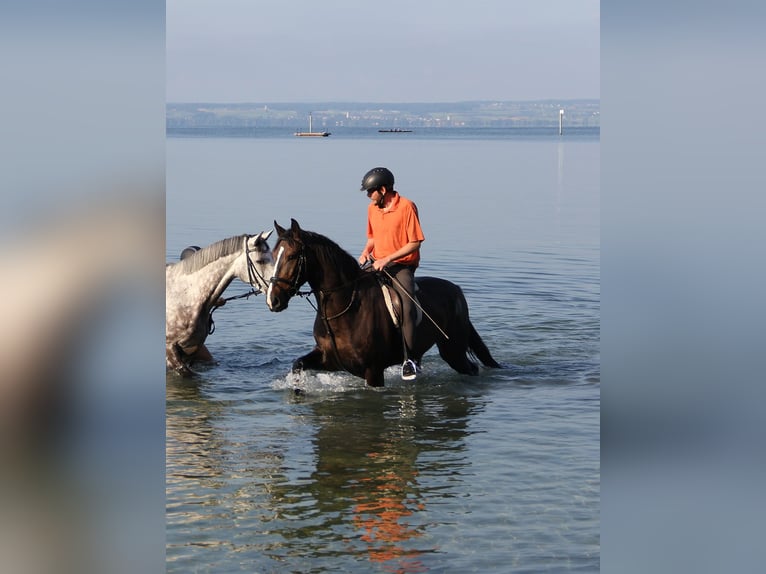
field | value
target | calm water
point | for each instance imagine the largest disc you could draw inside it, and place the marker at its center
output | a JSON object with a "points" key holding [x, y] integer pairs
{"points": [[494, 473]]}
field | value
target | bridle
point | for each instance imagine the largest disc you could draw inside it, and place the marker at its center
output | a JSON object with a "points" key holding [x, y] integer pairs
{"points": [[252, 271], [294, 285]]}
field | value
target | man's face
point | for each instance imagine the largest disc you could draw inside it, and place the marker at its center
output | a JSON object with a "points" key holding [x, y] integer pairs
{"points": [[376, 195]]}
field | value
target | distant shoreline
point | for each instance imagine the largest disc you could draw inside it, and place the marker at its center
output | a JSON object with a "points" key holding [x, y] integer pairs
{"points": [[333, 115], [590, 133]]}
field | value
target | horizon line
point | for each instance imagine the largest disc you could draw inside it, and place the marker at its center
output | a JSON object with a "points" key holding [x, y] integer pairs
{"points": [[314, 102]]}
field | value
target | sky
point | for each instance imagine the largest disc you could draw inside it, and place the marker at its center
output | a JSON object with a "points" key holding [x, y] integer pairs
{"points": [[397, 51]]}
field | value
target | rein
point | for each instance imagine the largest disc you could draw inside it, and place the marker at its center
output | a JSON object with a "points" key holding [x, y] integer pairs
{"points": [[325, 317]]}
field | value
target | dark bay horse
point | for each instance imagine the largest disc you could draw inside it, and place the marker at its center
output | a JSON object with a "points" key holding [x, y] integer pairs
{"points": [[353, 328], [193, 289]]}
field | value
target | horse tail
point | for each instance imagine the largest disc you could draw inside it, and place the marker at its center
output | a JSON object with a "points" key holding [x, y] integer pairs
{"points": [[475, 343], [479, 349]]}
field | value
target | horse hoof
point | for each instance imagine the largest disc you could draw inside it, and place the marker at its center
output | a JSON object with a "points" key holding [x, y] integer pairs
{"points": [[299, 392]]}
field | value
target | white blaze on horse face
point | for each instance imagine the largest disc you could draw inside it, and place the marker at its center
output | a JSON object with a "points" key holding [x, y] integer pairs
{"points": [[276, 274]]}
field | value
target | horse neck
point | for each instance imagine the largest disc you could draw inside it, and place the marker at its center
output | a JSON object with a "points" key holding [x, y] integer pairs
{"points": [[326, 277], [216, 276]]}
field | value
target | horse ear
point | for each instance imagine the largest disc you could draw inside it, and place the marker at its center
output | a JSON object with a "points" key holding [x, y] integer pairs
{"points": [[279, 228], [265, 235], [295, 228]]}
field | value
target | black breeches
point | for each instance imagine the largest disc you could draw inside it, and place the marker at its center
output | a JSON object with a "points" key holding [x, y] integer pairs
{"points": [[405, 278]]}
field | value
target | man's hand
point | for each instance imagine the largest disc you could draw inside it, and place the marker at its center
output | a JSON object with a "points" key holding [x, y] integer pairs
{"points": [[380, 264]]}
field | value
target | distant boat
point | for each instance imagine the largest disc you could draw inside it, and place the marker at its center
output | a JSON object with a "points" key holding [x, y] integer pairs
{"points": [[395, 131], [311, 133]]}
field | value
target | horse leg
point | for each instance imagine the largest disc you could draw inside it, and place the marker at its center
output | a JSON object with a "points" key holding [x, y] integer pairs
{"points": [[175, 358], [455, 356], [479, 349], [374, 377], [202, 355], [455, 351], [462, 365], [313, 360]]}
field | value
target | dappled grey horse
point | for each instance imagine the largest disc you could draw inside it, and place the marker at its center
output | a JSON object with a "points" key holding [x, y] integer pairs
{"points": [[193, 289]]}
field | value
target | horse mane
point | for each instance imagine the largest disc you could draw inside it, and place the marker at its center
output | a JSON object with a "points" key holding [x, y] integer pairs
{"points": [[211, 253], [330, 253]]}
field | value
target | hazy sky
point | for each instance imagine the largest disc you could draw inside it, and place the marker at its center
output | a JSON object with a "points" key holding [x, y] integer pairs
{"points": [[393, 51]]}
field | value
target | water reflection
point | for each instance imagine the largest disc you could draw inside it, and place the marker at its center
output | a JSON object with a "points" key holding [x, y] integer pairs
{"points": [[368, 479], [345, 477], [192, 442], [205, 467], [193, 469]]}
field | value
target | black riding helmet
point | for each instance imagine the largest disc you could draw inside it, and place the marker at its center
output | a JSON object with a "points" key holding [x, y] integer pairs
{"points": [[377, 177], [189, 251]]}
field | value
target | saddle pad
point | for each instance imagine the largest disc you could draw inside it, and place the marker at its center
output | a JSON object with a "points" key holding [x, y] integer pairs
{"points": [[390, 305], [393, 310]]}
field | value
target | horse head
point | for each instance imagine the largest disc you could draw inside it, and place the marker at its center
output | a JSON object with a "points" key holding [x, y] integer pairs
{"points": [[289, 266], [260, 261]]}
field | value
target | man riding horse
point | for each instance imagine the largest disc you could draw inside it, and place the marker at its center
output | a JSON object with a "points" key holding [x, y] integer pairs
{"points": [[393, 243]]}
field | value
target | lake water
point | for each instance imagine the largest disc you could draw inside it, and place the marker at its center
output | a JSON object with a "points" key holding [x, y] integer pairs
{"points": [[449, 473]]}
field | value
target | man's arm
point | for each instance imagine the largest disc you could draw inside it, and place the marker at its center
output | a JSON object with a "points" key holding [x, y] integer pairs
{"points": [[366, 251], [411, 247]]}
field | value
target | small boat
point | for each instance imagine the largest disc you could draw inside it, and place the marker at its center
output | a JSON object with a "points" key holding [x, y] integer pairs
{"points": [[312, 133], [395, 131]]}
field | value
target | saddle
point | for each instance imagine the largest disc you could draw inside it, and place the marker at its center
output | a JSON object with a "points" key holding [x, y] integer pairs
{"points": [[394, 302]]}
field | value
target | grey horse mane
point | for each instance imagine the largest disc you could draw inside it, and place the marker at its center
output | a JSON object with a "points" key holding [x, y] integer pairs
{"points": [[212, 252]]}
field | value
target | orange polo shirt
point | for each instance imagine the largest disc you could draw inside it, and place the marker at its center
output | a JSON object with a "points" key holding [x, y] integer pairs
{"points": [[393, 228]]}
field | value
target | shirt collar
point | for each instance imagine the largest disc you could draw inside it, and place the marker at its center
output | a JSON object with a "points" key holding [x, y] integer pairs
{"points": [[394, 203]]}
